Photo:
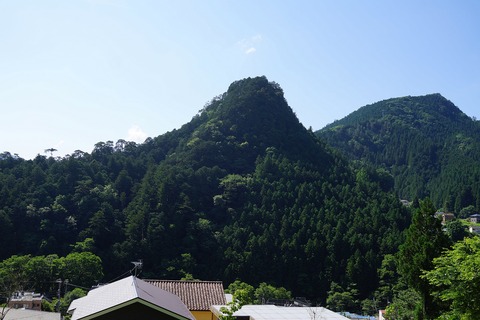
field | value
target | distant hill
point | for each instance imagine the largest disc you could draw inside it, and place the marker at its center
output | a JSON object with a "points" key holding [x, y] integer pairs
{"points": [[429, 146], [241, 191]]}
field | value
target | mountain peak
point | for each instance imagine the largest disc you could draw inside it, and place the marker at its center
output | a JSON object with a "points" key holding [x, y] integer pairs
{"points": [[247, 84], [255, 97], [413, 110], [422, 141], [251, 117], [253, 107]]}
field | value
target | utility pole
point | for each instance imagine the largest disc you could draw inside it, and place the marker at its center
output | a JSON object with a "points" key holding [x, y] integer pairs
{"points": [[59, 281], [66, 287]]}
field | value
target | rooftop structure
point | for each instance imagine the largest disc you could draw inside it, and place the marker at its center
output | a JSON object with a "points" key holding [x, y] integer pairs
{"points": [[129, 298]]}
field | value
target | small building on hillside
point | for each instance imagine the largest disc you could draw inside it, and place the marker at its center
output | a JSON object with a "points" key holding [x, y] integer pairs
{"points": [[474, 218], [445, 216], [198, 296], [272, 312], [129, 298], [26, 300]]}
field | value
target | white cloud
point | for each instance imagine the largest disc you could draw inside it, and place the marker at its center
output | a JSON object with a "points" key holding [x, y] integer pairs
{"points": [[136, 134], [248, 46]]}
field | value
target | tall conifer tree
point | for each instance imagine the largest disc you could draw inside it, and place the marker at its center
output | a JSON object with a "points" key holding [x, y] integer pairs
{"points": [[425, 241]]}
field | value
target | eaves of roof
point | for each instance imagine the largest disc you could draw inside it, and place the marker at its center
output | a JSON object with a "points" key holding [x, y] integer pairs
{"points": [[130, 302]]}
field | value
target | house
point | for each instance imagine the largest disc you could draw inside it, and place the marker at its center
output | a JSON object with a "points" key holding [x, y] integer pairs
{"points": [[129, 298], [198, 296], [272, 312], [444, 216], [474, 218], [447, 217], [26, 300]]}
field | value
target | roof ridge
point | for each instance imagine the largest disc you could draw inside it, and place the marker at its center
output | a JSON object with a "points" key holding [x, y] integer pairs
{"points": [[135, 285], [138, 288], [199, 281]]}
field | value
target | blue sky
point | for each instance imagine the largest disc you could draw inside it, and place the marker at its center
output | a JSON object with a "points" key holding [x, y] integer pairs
{"points": [[74, 73]]}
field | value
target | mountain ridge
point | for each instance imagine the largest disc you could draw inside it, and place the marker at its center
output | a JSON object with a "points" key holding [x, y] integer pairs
{"points": [[420, 140], [243, 184], [249, 117], [391, 106]]}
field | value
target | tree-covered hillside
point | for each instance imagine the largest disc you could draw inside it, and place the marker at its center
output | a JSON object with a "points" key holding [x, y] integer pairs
{"points": [[426, 143], [243, 191]]}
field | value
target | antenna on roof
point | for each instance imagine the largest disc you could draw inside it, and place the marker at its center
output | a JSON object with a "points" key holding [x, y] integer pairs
{"points": [[137, 267]]}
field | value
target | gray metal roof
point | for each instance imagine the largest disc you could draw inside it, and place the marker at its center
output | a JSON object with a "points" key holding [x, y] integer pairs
{"points": [[271, 312], [25, 314], [123, 292]]}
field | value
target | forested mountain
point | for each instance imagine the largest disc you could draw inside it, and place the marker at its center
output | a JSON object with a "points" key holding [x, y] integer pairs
{"points": [[426, 143], [243, 191]]}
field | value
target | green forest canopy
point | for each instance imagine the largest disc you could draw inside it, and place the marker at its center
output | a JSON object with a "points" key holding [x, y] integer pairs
{"points": [[243, 191]]}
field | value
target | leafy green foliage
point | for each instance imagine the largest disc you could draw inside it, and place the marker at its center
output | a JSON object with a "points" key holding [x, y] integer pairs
{"points": [[229, 310], [342, 300], [266, 292], [81, 268], [405, 306], [467, 211], [242, 292], [456, 278], [43, 273], [456, 230], [69, 297], [12, 276]]}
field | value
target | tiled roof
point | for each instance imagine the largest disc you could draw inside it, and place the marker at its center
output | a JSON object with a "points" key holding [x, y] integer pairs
{"points": [[197, 295], [122, 292]]}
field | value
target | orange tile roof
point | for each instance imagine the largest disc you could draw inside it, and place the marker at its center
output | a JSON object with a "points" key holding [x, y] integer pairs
{"points": [[196, 295]]}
